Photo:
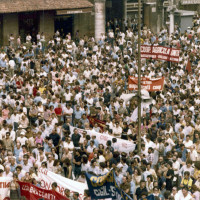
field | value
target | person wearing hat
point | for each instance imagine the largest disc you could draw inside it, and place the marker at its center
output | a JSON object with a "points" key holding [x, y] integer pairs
{"points": [[22, 139]]}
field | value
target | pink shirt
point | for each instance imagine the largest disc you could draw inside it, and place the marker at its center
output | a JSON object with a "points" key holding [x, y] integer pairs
{"points": [[39, 140]]}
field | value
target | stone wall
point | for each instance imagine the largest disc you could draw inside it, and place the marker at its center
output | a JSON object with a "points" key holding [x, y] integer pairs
{"points": [[84, 22], [10, 26]]}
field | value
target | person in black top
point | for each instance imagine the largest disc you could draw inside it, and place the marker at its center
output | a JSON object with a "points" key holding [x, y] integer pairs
{"points": [[55, 137], [77, 164], [141, 190], [76, 138], [169, 175]]}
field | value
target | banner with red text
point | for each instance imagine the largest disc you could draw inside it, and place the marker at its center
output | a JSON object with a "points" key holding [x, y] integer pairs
{"points": [[47, 178], [160, 52], [5, 188], [33, 192], [122, 145], [146, 83]]}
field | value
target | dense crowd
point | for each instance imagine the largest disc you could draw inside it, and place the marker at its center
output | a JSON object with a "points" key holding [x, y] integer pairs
{"points": [[48, 86]]}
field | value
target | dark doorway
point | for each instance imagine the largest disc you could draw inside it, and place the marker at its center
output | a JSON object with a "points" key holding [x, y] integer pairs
{"points": [[28, 23], [64, 24]]}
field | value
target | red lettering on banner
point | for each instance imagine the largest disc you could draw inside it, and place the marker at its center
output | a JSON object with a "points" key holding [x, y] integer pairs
{"points": [[103, 137], [4, 184], [36, 192], [146, 83], [45, 185], [160, 52]]}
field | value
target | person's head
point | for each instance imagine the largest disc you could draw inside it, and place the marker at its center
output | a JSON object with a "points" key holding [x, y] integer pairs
{"points": [[142, 184], [75, 195], [50, 143], [174, 190], [156, 190], [18, 169], [67, 193], [188, 163], [44, 165], [54, 186], [7, 169], [50, 157], [185, 191], [15, 177], [169, 165], [7, 135], [186, 174], [144, 195], [150, 178]]}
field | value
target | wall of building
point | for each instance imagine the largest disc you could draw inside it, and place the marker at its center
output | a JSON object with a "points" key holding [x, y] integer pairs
{"points": [[10, 26], [84, 22], [46, 23], [150, 17]]}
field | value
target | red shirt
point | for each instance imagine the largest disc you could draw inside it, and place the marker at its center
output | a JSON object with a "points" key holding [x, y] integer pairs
{"points": [[58, 111], [34, 91], [19, 84]]}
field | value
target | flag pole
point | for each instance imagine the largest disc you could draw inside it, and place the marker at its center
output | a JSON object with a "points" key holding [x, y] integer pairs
{"points": [[139, 77]]}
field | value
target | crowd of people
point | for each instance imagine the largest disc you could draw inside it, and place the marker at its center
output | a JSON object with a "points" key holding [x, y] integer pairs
{"points": [[48, 86]]}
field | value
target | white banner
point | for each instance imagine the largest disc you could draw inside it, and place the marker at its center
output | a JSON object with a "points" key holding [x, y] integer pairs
{"points": [[5, 188], [48, 177], [123, 145]]}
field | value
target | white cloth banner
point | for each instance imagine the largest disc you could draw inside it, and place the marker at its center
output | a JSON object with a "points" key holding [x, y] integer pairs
{"points": [[123, 145], [48, 177], [144, 107], [134, 115], [5, 188]]}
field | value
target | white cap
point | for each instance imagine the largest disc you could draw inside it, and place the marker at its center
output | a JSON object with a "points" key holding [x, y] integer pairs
{"points": [[22, 133]]}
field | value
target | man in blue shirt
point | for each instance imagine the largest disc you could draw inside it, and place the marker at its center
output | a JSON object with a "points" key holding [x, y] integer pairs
{"points": [[77, 115]]}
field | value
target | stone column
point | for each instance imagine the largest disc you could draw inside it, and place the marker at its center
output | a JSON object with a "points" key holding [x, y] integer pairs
{"points": [[100, 12], [171, 22], [125, 9]]}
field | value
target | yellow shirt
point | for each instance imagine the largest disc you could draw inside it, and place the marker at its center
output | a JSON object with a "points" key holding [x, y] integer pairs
{"points": [[42, 90], [187, 182]]}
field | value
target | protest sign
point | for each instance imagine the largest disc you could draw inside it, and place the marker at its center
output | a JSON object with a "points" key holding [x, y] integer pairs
{"points": [[160, 52], [48, 177], [146, 83], [5, 188], [105, 186], [33, 192], [123, 145]]}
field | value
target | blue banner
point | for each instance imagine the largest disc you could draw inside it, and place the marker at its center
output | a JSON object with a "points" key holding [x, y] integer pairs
{"points": [[105, 186]]}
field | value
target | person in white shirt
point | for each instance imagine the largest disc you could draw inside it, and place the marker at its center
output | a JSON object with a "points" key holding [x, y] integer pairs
{"points": [[117, 130], [188, 143], [22, 139], [193, 154], [68, 144], [184, 194], [175, 194], [91, 147], [7, 172], [50, 162]]}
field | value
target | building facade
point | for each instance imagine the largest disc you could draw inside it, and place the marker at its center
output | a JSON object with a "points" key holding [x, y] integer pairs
{"points": [[19, 17]]}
